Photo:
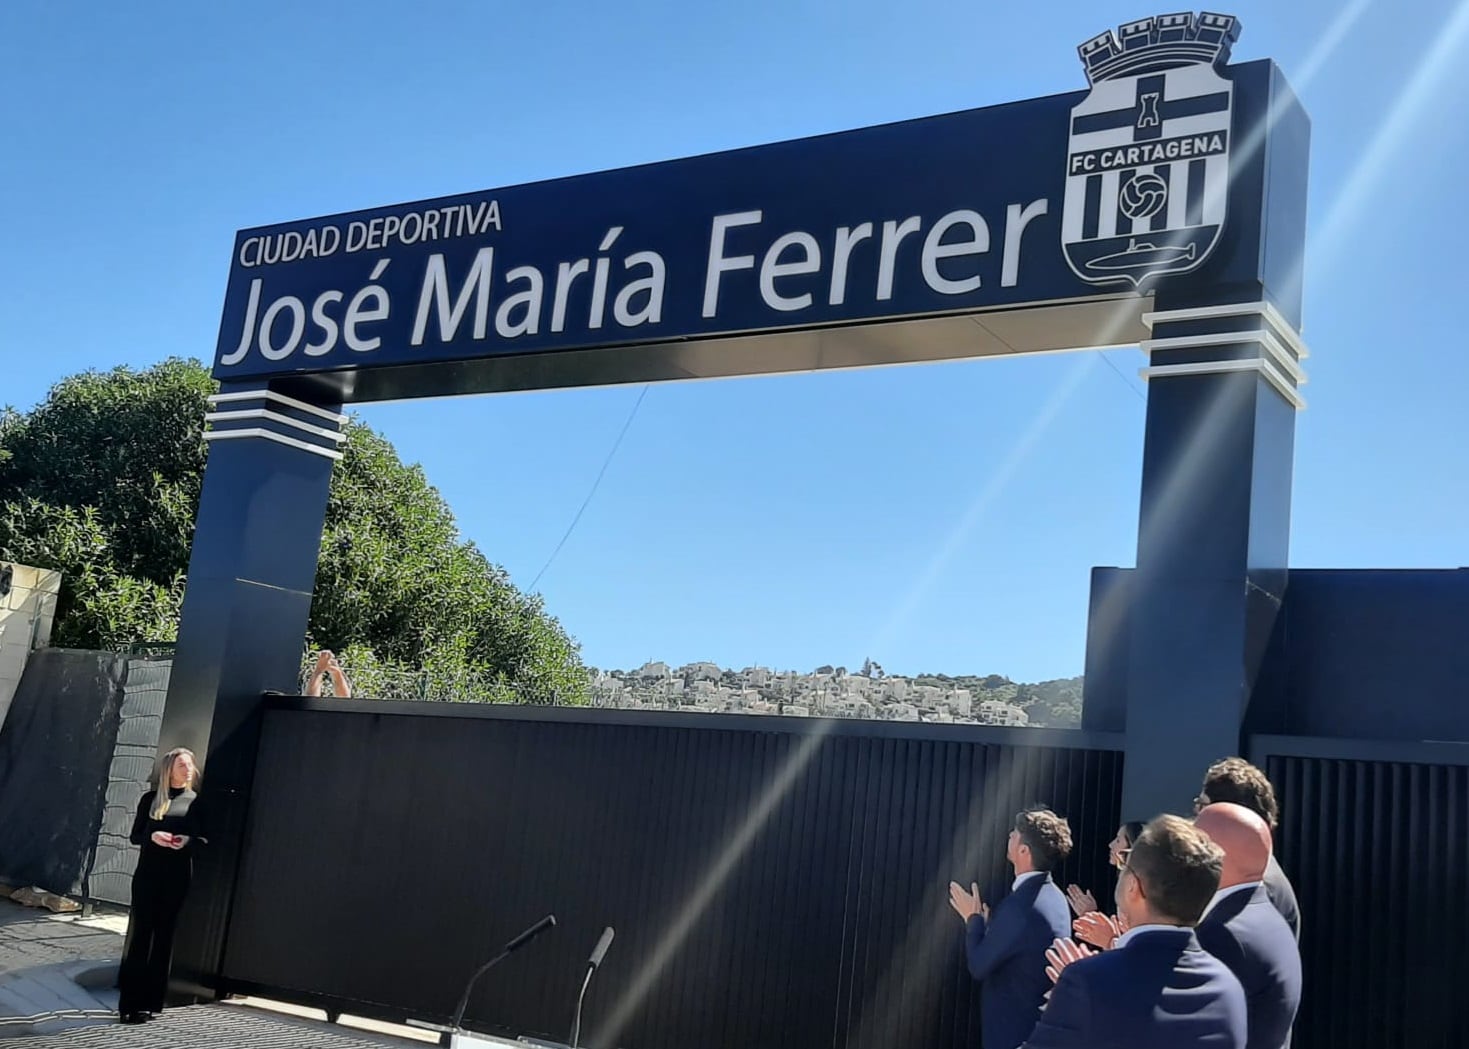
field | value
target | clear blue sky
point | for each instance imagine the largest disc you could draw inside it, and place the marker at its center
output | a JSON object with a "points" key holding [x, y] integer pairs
{"points": [[941, 517]]}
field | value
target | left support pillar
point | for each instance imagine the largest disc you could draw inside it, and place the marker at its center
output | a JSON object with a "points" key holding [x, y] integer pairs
{"points": [[242, 628]]}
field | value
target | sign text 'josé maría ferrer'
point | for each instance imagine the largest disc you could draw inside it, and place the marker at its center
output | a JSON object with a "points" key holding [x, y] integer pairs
{"points": [[1155, 176]]}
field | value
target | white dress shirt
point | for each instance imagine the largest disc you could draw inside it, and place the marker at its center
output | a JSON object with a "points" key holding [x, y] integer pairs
{"points": [[1138, 930]]}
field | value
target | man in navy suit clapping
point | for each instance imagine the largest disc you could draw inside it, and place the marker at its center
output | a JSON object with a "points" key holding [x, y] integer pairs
{"points": [[1006, 950], [1157, 988]]}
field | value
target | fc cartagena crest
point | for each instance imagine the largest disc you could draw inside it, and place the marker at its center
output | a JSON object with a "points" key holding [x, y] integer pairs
{"points": [[1147, 166]]}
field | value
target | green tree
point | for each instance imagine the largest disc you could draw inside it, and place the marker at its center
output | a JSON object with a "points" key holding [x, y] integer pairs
{"points": [[102, 479]]}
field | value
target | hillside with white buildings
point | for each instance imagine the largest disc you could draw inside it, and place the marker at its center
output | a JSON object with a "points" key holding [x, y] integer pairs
{"points": [[836, 692]]}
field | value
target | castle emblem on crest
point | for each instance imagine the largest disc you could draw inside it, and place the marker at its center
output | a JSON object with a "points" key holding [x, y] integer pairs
{"points": [[1147, 166]]}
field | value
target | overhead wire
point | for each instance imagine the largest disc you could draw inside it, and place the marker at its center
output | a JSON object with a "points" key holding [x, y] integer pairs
{"points": [[592, 492]]}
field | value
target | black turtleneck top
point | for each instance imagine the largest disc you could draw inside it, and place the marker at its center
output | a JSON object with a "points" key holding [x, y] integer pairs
{"points": [[184, 816]]}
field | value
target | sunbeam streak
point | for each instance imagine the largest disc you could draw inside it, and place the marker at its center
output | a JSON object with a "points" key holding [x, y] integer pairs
{"points": [[1244, 153], [927, 949], [921, 950], [708, 886], [1345, 209], [1019, 453], [1412, 102], [1174, 489]]}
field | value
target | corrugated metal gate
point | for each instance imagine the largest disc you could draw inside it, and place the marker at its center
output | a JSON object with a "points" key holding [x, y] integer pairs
{"points": [[773, 882], [1375, 837]]}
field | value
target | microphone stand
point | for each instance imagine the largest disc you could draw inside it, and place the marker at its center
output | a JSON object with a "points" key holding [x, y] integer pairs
{"points": [[593, 964], [464, 999], [548, 922], [576, 1022]]}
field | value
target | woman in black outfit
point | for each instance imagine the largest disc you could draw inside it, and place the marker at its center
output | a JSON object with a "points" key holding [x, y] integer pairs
{"points": [[169, 828]]}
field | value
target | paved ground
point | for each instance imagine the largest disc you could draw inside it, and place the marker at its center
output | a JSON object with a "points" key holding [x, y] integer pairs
{"points": [[30, 937], [210, 1027], [42, 1005], [44, 962]]}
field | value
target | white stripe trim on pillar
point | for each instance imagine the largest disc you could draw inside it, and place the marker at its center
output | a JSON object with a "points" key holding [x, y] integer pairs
{"points": [[279, 398], [1251, 364], [271, 435], [276, 417], [1225, 338], [1238, 309]]}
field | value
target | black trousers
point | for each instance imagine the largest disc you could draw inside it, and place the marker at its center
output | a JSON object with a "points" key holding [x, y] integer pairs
{"points": [[158, 895]]}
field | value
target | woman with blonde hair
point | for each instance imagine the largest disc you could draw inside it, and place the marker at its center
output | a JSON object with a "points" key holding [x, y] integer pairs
{"points": [[168, 828]]}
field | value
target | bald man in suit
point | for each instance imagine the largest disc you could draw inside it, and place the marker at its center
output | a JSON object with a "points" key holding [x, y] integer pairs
{"points": [[1244, 930], [1236, 781]]}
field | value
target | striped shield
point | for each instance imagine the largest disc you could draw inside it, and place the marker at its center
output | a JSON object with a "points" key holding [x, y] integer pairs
{"points": [[1147, 174]]}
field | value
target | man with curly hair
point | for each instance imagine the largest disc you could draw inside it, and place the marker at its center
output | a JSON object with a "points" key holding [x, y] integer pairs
{"points": [[1237, 782], [1006, 949]]}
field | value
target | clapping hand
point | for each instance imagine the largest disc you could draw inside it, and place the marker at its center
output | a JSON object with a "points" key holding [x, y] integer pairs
{"points": [[1082, 902], [1061, 954], [967, 904], [1098, 929]]}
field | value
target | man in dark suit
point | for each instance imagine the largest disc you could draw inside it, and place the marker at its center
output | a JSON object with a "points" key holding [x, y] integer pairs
{"points": [[1007, 949], [1246, 933], [1238, 782], [1157, 988]]}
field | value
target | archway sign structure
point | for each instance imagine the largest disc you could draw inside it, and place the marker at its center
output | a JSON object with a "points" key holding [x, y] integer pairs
{"points": [[1164, 205]]}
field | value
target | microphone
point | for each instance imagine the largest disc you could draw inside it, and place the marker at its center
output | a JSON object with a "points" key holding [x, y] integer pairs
{"points": [[600, 951], [548, 922], [593, 964]]}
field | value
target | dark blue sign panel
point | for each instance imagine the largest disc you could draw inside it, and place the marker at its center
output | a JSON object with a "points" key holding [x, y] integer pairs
{"points": [[1153, 176]]}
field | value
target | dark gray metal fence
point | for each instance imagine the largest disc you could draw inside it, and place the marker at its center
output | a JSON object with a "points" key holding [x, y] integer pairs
{"points": [[110, 877], [75, 757], [1375, 837], [773, 882], [55, 748]]}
